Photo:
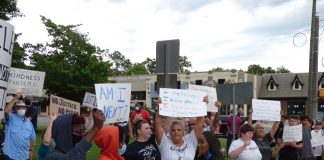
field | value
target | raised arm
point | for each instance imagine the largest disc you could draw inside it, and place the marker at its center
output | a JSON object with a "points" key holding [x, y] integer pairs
{"points": [[8, 108], [158, 124], [275, 127], [200, 122], [48, 133]]}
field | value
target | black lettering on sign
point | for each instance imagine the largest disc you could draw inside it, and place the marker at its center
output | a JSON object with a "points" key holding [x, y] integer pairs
{"points": [[7, 45], [4, 73]]}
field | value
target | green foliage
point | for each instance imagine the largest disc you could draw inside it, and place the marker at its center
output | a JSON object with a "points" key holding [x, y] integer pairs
{"points": [[150, 65], [71, 63], [8, 9], [136, 69], [184, 63], [282, 69], [19, 55], [120, 62], [257, 69]]}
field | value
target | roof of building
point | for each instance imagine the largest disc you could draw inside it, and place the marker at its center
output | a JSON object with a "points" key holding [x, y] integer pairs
{"points": [[284, 83]]}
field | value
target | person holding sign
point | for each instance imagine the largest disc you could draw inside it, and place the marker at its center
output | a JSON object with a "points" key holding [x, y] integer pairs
{"points": [[72, 142], [263, 140], [244, 148], [291, 150], [20, 135], [318, 149], [179, 146]]}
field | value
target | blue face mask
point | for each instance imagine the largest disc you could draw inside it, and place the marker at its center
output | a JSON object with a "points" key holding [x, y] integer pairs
{"points": [[123, 149]]}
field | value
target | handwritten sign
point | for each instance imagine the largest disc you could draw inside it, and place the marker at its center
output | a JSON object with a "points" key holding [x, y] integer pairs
{"points": [[266, 110], [317, 138], [114, 101], [292, 133], [6, 46], [63, 106], [90, 100], [182, 103], [210, 92], [31, 82]]}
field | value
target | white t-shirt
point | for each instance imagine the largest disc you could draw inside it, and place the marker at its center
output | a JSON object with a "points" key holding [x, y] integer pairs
{"points": [[186, 152], [250, 152]]}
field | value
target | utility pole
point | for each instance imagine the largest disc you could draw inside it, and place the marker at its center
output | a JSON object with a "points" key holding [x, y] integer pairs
{"points": [[313, 68]]}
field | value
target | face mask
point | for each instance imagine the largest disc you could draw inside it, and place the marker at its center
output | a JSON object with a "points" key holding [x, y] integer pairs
{"points": [[137, 108], [123, 149], [21, 112], [76, 139]]}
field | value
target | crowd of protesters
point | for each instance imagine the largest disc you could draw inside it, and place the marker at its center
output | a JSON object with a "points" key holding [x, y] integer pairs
{"points": [[69, 137]]}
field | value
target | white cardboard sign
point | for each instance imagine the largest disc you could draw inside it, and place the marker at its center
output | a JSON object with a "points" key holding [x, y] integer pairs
{"points": [[114, 100], [90, 100], [182, 103], [292, 133], [210, 92], [266, 110], [30, 82], [317, 138], [7, 36]]}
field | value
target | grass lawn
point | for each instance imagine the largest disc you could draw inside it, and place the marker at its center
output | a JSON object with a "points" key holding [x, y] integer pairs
{"points": [[93, 154]]}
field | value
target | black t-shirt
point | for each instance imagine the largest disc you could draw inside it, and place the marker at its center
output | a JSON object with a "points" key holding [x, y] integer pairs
{"points": [[32, 112], [264, 146], [142, 150], [289, 153]]}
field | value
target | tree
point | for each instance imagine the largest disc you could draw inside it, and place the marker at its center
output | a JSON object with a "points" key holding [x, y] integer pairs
{"points": [[282, 69], [184, 63], [9, 9], [71, 63], [269, 70], [120, 62], [218, 69], [255, 69], [19, 55], [150, 65], [136, 69]]}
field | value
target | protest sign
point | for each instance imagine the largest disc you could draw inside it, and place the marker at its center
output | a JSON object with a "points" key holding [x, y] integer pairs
{"points": [[63, 106], [6, 46], [210, 92], [266, 110], [182, 103], [317, 138], [30, 82], [292, 133], [90, 100], [114, 101]]}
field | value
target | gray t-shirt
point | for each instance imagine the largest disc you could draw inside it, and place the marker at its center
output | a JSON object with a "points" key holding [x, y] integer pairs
{"points": [[264, 146], [307, 148]]}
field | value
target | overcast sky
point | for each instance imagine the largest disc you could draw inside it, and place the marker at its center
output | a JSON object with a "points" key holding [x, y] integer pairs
{"points": [[213, 33]]}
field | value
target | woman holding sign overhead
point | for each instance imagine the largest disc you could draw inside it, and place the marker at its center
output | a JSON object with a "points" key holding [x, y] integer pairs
{"points": [[263, 140], [179, 146]]}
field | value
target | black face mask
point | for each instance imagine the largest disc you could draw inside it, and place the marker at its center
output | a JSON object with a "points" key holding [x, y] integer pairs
{"points": [[76, 139]]}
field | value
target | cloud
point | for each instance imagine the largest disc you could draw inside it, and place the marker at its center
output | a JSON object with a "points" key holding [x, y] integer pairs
{"points": [[184, 5]]}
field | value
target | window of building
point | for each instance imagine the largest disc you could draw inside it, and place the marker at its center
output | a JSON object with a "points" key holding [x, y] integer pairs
{"points": [[272, 86], [296, 85], [221, 81], [198, 82], [321, 86], [139, 95], [155, 86], [179, 84]]}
